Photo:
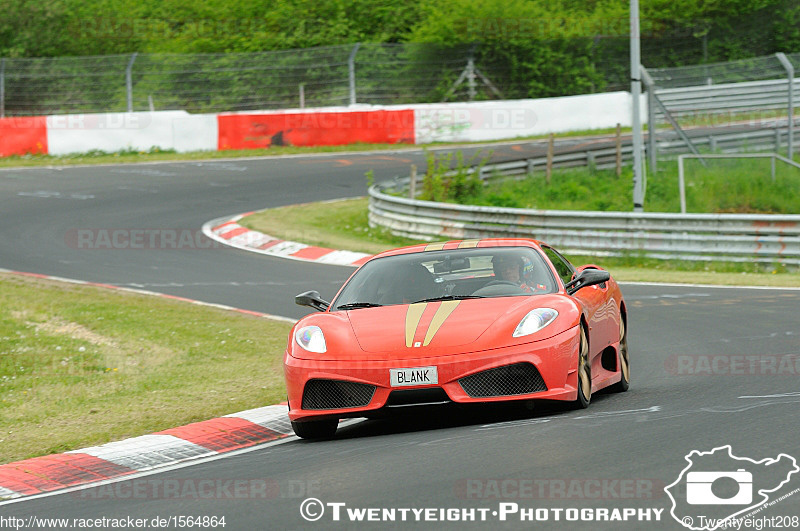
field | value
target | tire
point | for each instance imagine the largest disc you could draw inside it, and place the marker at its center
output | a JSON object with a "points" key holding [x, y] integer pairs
{"points": [[315, 429], [584, 374], [624, 359]]}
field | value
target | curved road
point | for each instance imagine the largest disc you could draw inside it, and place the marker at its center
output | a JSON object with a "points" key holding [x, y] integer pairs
{"points": [[696, 382]]}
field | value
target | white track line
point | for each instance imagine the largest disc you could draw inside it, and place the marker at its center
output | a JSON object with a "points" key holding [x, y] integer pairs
{"points": [[713, 286]]}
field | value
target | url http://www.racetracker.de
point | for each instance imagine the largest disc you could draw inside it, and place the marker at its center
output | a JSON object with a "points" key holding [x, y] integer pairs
{"points": [[157, 522], [313, 510]]}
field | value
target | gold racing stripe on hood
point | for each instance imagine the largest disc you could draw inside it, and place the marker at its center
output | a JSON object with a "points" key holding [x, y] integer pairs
{"points": [[441, 315], [413, 315]]}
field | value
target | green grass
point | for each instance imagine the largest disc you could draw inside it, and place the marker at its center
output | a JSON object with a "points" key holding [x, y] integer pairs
{"points": [[727, 185], [343, 225], [81, 366]]}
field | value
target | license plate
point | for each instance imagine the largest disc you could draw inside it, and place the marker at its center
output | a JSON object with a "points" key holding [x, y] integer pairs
{"points": [[413, 376]]}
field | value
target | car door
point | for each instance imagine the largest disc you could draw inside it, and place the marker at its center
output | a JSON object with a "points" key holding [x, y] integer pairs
{"points": [[593, 299]]}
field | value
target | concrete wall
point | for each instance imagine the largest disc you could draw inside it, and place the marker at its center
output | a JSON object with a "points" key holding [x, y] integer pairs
{"points": [[139, 131], [406, 124]]}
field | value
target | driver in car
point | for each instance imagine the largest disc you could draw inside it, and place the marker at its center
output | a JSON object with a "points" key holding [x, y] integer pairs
{"points": [[514, 269]]}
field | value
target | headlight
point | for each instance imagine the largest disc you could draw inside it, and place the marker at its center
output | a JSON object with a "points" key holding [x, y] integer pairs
{"points": [[310, 338], [534, 321]]}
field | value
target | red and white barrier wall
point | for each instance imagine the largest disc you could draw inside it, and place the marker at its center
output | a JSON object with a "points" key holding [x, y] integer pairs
{"points": [[406, 124]]}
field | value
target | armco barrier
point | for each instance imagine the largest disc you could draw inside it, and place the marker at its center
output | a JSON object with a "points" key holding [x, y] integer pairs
{"points": [[732, 97], [730, 237]]}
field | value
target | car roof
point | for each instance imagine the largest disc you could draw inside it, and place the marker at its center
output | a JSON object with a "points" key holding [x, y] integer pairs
{"points": [[461, 244]]}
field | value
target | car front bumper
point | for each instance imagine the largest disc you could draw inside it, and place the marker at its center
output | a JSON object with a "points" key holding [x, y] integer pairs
{"points": [[555, 359]]}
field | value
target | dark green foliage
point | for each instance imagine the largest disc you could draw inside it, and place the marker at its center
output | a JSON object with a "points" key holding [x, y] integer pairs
{"points": [[527, 48], [509, 28]]}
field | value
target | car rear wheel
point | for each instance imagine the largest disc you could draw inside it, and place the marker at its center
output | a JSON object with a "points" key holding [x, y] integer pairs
{"points": [[584, 373], [315, 429], [624, 361]]}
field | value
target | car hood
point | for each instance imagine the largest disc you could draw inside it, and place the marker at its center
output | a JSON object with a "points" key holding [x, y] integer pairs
{"points": [[409, 331], [426, 330]]}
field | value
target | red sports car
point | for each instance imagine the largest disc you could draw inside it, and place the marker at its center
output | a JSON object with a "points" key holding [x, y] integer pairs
{"points": [[463, 321]]}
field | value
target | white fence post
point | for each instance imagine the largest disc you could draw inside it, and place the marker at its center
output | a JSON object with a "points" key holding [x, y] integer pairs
{"points": [[790, 80], [351, 68], [129, 81]]}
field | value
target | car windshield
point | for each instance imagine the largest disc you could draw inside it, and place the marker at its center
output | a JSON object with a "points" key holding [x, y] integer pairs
{"points": [[447, 275]]}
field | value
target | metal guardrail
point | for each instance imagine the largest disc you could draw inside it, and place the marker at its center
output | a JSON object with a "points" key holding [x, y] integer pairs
{"points": [[739, 97], [765, 139], [729, 237]]}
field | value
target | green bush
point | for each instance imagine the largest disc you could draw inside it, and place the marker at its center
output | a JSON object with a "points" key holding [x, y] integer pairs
{"points": [[445, 183]]}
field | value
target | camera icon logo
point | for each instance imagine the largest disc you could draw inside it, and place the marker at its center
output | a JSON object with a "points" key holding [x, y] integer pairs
{"points": [[700, 487]]}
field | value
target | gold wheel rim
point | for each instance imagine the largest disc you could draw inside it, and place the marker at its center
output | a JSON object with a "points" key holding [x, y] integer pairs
{"points": [[623, 351], [583, 372]]}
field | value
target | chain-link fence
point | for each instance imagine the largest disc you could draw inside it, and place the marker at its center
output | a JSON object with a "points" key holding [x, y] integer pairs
{"points": [[347, 74], [747, 103], [753, 69], [316, 77]]}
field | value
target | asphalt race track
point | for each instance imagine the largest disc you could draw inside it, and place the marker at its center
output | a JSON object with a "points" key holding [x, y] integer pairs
{"points": [[710, 367]]}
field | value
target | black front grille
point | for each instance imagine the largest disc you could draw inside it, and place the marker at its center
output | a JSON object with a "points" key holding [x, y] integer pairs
{"points": [[509, 380], [336, 394], [414, 397]]}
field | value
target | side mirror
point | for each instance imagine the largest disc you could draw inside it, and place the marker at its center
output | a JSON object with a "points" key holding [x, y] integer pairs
{"points": [[587, 277], [312, 299]]}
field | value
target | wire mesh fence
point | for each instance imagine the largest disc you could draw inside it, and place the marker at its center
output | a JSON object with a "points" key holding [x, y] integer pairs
{"points": [[752, 69], [313, 77], [347, 74], [62, 84], [748, 103]]}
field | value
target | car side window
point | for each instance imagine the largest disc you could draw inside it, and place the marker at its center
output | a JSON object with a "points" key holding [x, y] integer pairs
{"points": [[562, 265]]}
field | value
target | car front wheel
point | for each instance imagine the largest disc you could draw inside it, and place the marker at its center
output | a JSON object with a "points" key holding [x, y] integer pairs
{"points": [[315, 429], [584, 373]]}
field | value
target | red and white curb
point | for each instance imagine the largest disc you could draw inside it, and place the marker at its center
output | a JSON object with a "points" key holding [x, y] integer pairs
{"points": [[147, 452], [144, 453], [228, 231]]}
